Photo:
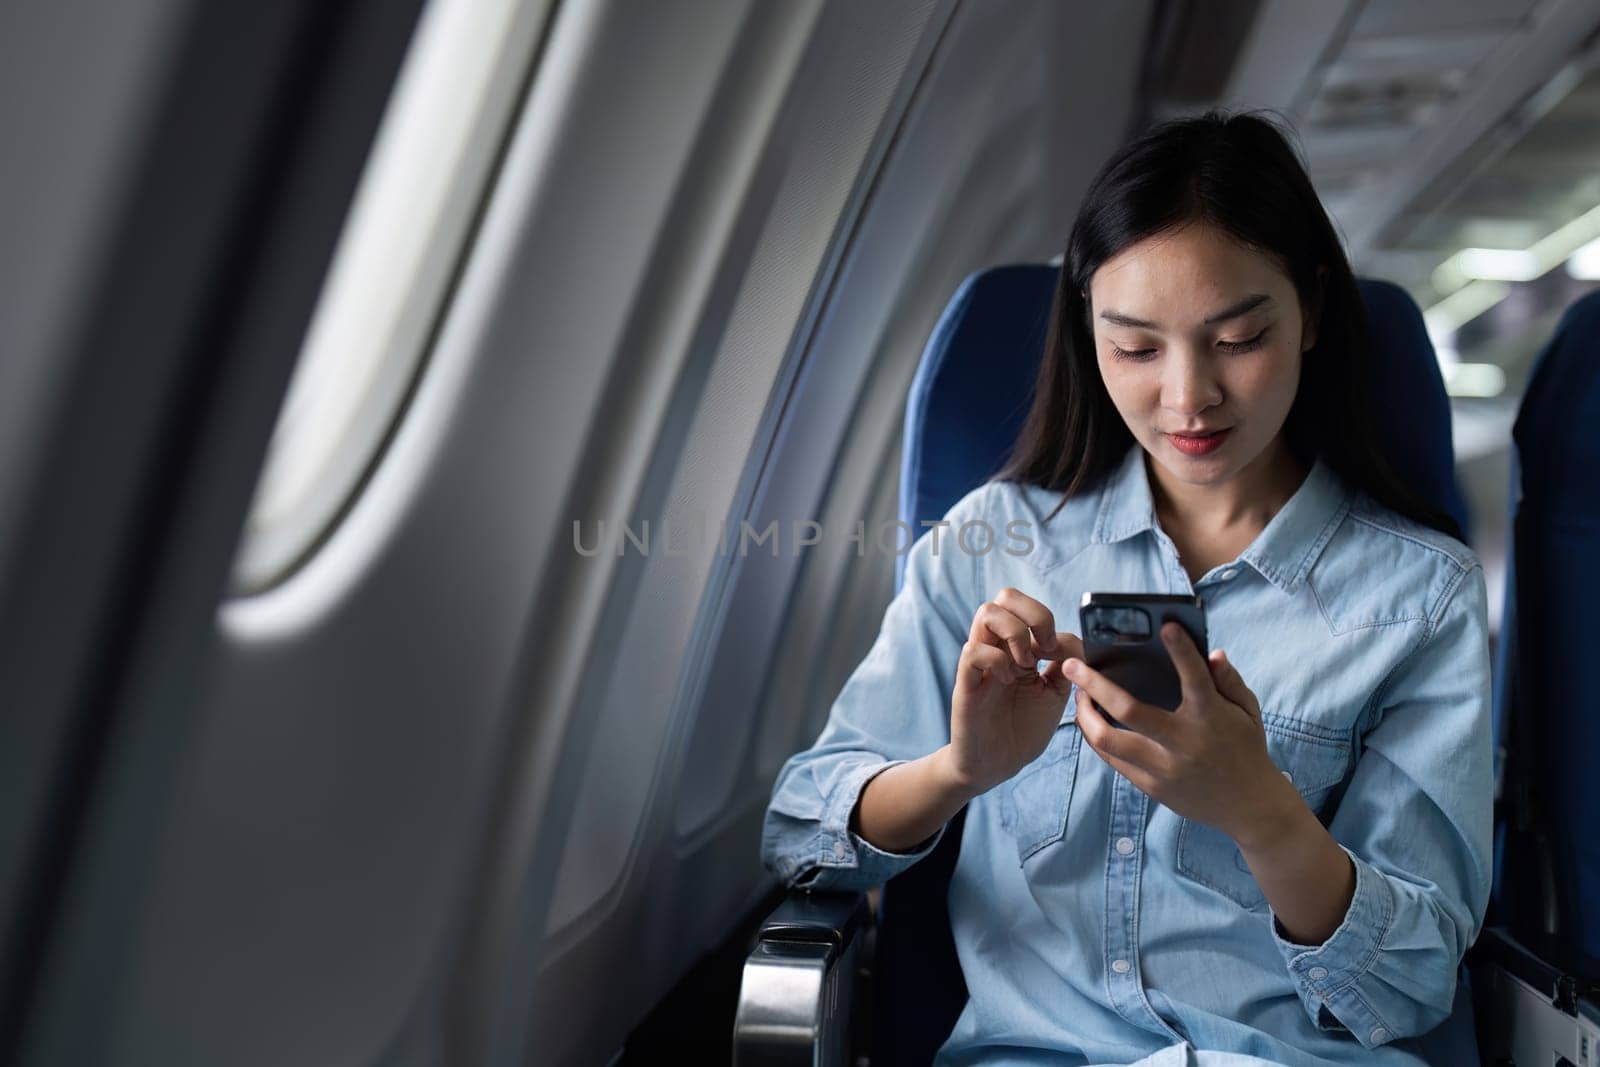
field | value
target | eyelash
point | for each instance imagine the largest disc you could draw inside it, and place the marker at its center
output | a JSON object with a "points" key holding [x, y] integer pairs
{"points": [[1139, 355]]}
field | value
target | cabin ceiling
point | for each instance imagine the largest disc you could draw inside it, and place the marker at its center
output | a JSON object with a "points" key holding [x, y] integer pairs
{"points": [[1429, 126]]}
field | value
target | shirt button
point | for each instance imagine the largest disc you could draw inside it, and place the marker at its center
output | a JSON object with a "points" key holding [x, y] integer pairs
{"points": [[1379, 1036], [1317, 974], [838, 851], [1125, 845], [1120, 966], [1287, 775]]}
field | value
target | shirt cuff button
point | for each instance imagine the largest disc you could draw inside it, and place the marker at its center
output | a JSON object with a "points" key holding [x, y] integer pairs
{"points": [[1379, 1036]]}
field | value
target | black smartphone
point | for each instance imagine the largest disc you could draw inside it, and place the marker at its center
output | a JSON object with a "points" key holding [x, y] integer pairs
{"points": [[1122, 640]]}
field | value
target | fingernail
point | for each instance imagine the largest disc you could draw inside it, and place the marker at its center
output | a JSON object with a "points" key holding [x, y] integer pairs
{"points": [[1071, 667]]}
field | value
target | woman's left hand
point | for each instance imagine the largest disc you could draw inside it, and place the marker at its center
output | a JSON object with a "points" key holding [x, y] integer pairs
{"points": [[1208, 759]]}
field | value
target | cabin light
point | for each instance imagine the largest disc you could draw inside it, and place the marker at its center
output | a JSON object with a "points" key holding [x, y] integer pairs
{"points": [[1584, 265], [1475, 279], [1517, 265], [1462, 306], [1474, 380], [1499, 264]]}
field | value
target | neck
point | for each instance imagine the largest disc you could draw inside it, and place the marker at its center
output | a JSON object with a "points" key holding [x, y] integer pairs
{"points": [[1249, 499]]}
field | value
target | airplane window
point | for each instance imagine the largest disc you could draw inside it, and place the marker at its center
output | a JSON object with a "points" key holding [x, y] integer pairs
{"points": [[410, 221]]}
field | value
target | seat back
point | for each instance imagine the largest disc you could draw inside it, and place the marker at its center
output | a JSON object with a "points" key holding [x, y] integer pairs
{"points": [[1548, 712], [1409, 399], [972, 389], [965, 408]]}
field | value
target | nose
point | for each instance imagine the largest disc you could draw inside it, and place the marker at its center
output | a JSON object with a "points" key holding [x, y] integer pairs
{"points": [[1189, 385]]}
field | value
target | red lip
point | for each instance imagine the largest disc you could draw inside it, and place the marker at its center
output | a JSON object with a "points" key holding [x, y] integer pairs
{"points": [[1198, 444]]}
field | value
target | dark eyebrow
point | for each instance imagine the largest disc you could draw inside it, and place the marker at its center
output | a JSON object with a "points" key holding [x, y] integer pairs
{"points": [[1249, 303], [1117, 318]]}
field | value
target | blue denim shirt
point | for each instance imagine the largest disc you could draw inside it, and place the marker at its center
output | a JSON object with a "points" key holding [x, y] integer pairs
{"points": [[1092, 921]]}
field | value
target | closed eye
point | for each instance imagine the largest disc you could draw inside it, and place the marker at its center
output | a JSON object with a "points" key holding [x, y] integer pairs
{"points": [[1248, 345], [1137, 355]]}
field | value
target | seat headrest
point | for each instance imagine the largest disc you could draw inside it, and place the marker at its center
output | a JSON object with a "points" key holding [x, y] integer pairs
{"points": [[975, 381], [1558, 450]]}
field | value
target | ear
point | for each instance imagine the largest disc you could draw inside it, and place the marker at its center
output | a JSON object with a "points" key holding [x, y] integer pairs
{"points": [[1311, 315]]}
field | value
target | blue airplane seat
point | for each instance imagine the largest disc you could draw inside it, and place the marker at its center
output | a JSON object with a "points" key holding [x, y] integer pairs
{"points": [[1548, 712], [971, 392], [1408, 396], [972, 389], [964, 410], [1511, 780]]}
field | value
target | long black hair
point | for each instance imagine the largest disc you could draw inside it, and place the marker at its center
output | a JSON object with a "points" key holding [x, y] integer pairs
{"points": [[1240, 174]]}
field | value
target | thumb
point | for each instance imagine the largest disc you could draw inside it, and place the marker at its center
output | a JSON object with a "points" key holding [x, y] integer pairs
{"points": [[1229, 683]]}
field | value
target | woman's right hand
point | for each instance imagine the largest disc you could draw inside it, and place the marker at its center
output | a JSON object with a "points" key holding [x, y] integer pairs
{"points": [[1004, 710]]}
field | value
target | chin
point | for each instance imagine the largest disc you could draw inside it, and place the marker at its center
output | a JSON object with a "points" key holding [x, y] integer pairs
{"points": [[1195, 473]]}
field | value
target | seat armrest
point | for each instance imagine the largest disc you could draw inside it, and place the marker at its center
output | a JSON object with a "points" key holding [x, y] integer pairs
{"points": [[797, 995], [1535, 999], [1548, 964], [834, 918]]}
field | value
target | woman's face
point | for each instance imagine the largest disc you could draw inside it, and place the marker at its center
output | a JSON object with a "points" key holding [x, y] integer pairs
{"points": [[1199, 340]]}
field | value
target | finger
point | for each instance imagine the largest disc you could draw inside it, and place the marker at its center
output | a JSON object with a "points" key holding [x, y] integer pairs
{"points": [[1069, 646], [994, 625], [1118, 702], [1129, 753], [1192, 672], [1217, 663], [1231, 684], [979, 661], [1142, 780], [1055, 678], [1040, 622]]}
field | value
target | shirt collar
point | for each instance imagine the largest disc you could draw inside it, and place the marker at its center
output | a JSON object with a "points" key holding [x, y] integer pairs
{"points": [[1283, 552]]}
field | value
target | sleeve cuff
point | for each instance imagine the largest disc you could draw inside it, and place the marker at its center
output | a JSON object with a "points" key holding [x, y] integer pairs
{"points": [[837, 848], [1328, 976]]}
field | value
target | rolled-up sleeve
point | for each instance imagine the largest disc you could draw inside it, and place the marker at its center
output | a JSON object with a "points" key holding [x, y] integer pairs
{"points": [[1417, 823], [895, 707]]}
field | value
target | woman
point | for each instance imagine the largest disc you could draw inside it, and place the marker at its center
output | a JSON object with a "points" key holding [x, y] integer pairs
{"points": [[1287, 868]]}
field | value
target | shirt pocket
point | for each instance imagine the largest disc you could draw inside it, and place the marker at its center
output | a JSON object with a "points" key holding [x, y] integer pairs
{"points": [[1314, 764], [1034, 803]]}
